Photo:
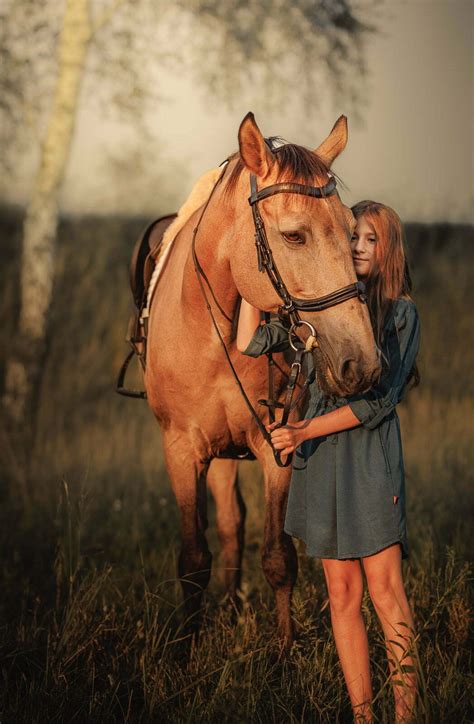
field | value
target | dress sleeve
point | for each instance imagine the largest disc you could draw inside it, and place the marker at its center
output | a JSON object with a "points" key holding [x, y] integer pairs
{"points": [[270, 337], [372, 407]]}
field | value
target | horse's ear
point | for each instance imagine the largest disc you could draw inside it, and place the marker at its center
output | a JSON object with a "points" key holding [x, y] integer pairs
{"points": [[335, 143], [253, 148]]}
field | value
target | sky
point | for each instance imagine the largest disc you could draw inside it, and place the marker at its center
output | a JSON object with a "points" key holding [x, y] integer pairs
{"points": [[413, 149]]}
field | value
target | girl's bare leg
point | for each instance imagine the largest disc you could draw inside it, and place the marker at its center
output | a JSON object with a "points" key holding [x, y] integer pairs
{"points": [[345, 587], [384, 578]]}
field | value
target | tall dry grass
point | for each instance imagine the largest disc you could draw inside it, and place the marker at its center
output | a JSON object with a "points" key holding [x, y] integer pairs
{"points": [[91, 607]]}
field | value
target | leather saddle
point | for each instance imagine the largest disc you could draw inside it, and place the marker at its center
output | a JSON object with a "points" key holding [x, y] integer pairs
{"points": [[144, 257], [142, 265]]}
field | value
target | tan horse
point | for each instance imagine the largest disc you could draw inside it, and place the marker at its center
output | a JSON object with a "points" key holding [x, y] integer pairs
{"points": [[188, 382]]}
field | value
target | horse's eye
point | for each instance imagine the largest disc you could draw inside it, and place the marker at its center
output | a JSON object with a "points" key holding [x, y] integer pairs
{"points": [[294, 237]]}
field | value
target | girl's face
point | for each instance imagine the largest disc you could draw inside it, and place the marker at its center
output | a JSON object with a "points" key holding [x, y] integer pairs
{"points": [[363, 242]]}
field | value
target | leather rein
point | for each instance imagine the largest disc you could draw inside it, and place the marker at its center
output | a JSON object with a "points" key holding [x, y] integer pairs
{"points": [[291, 305]]}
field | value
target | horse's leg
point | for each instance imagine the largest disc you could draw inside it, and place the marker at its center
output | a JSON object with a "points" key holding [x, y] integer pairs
{"points": [[279, 559], [188, 478], [223, 481]]}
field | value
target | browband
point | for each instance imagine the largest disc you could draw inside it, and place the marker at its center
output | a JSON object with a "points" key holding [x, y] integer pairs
{"points": [[292, 188]]}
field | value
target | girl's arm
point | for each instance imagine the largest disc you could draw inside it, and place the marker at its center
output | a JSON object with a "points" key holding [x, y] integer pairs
{"points": [[288, 438], [362, 409], [254, 339], [370, 409], [341, 419], [249, 319]]}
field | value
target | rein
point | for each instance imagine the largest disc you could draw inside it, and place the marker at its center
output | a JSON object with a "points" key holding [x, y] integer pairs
{"points": [[202, 275], [291, 305]]}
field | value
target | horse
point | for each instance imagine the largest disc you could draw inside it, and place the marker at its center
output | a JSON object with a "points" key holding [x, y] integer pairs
{"points": [[205, 423]]}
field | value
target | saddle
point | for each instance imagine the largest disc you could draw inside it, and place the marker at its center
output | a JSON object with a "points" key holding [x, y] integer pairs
{"points": [[144, 257], [142, 265]]}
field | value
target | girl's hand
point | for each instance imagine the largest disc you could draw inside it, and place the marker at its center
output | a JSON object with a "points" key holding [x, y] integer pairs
{"points": [[287, 438]]}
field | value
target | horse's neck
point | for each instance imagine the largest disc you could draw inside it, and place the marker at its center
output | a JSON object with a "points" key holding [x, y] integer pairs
{"points": [[212, 252]]}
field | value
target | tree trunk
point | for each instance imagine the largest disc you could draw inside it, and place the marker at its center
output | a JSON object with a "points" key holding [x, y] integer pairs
{"points": [[40, 226]]}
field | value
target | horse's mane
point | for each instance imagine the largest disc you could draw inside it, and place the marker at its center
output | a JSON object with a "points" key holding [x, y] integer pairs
{"points": [[295, 163]]}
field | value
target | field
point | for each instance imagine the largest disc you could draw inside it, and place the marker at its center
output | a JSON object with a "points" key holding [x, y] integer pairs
{"points": [[90, 612]]}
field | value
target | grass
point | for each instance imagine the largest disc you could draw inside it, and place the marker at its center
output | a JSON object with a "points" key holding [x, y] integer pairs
{"points": [[91, 612]]}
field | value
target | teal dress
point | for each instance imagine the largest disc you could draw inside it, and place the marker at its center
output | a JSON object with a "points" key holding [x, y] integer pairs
{"points": [[340, 501]]}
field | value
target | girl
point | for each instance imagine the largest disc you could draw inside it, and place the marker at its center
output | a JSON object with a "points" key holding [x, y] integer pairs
{"points": [[347, 493]]}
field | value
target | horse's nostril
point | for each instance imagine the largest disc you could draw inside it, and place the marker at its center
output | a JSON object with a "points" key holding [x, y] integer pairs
{"points": [[350, 372]]}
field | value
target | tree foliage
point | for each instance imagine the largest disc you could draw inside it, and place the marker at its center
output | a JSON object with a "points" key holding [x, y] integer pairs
{"points": [[275, 50], [286, 49]]}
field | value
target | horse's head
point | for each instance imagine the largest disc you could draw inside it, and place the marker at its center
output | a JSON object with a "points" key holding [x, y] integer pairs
{"points": [[309, 238]]}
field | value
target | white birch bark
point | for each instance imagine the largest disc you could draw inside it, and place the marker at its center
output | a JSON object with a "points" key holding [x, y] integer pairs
{"points": [[40, 226]]}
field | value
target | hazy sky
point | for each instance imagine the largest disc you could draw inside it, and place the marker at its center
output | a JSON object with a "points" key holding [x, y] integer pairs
{"points": [[414, 150]]}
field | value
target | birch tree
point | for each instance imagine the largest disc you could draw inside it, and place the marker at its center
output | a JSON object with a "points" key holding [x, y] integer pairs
{"points": [[227, 45], [40, 225]]}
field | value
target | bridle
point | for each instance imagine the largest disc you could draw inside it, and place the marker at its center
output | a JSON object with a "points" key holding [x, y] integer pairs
{"points": [[291, 305]]}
